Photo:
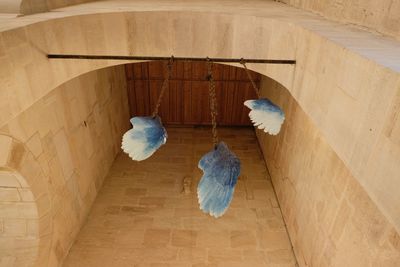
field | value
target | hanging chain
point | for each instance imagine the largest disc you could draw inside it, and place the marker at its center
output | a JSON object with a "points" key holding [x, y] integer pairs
{"points": [[213, 103], [164, 86], [250, 78]]}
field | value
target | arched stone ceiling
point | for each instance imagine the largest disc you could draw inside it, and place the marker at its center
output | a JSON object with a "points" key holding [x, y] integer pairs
{"points": [[20, 171], [38, 6], [381, 16], [346, 79], [26, 7], [10, 6]]}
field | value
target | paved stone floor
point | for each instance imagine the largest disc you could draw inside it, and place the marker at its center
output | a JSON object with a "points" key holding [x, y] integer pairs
{"points": [[142, 216]]}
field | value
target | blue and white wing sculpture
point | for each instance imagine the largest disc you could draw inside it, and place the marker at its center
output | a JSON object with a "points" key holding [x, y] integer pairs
{"points": [[221, 169], [266, 115], [146, 136]]}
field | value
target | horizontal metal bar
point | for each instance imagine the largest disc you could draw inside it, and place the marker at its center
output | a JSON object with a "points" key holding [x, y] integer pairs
{"points": [[222, 60]]}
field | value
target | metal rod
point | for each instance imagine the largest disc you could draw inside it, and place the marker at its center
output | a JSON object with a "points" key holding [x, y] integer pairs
{"points": [[226, 60]]}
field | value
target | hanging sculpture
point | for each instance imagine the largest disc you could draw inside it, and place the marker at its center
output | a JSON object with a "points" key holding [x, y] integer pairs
{"points": [[147, 133], [221, 168], [264, 114], [146, 136]]}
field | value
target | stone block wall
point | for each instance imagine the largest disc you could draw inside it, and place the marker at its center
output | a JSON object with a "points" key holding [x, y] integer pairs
{"points": [[330, 218], [359, 70], [19, 231], [37, 6], [73, 135], [381, 16], [142, 217], [25, 208]]}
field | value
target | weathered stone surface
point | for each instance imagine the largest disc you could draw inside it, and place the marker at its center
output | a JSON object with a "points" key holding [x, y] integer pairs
{"points": [[346, 81], [382, 17], [352, 58], [47, 196], [5, 147], [331, 219], [171, 230]]}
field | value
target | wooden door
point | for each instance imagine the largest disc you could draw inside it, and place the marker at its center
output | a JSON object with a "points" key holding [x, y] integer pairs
{"points": [[186, 100]]}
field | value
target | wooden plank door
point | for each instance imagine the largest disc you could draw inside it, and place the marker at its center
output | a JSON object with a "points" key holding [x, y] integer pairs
{"points": [[186, 101]]}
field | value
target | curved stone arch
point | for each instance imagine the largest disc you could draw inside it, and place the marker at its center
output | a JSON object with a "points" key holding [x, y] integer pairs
{"points": [[332, 68], [27, 7], [123, 33], [10, 6], [25, 211]]}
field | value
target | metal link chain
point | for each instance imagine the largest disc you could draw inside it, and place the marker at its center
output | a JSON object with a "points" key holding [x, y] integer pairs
{"points": [[164, 86], [213, 103], [250, 78]]}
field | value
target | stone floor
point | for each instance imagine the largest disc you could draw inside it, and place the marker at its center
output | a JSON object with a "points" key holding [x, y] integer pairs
{"points": [[142, 216]]}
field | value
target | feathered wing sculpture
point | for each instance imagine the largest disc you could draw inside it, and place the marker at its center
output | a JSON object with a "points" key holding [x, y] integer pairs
{"points": [[146, 136], [266, 115], [221, 169]]}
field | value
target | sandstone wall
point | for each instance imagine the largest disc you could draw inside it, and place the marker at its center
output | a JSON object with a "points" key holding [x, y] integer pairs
{"points": [[346, 80], [330, 217], [382, 16], [28, 7], [142, 218], [74, 134], [37, 6], [19, 234]]}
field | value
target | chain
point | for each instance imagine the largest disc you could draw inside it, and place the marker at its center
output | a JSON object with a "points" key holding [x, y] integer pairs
{"points": [[250, 78], [164, 86], [213, 103]]}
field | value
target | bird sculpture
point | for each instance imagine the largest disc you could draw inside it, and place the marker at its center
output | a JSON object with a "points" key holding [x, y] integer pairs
{"points": [[221, 169], [265, 115], [146, 136]]}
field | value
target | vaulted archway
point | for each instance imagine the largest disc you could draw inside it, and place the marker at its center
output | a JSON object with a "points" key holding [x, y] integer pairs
{"points": [[25, 207], [332, 81]]}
